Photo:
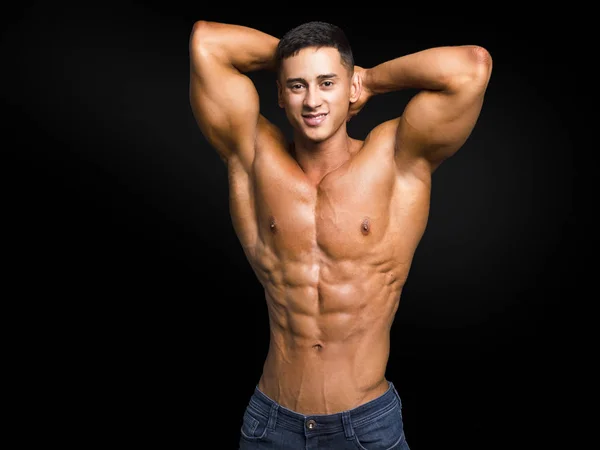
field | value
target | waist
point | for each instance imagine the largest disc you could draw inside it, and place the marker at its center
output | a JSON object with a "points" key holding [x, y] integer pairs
{"points": [[283, 417]]}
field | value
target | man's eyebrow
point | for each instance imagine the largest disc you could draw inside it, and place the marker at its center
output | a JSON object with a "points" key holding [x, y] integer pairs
{"points": [[319, 77]]}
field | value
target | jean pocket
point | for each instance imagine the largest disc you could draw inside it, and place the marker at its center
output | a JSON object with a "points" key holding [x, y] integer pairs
{"points": [[254, 426], [385, 432]]}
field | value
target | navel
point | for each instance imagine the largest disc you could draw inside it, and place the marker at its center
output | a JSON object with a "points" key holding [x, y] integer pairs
{"points": [[272, 225], [365, 226]]}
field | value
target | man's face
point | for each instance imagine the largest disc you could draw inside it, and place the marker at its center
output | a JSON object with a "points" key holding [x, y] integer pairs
{"points": [[315, 89]]}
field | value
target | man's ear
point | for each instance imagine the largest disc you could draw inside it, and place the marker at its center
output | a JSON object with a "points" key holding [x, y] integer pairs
{"points": [[279, 94], [355, 87]]}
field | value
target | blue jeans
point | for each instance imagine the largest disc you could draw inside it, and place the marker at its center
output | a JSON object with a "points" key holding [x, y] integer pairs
{"points": [[375, 425]]}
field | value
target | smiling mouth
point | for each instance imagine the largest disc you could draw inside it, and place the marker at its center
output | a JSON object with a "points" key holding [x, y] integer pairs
{"points": [[313, 120]]}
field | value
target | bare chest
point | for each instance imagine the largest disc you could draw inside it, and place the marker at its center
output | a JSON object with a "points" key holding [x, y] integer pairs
{"points": [[340, 216], [349, 214]]}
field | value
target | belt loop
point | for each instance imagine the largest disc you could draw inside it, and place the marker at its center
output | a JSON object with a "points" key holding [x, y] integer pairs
{"points": [[347, 422], [273, 417]]}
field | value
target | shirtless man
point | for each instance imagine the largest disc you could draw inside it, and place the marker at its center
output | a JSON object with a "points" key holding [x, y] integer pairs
{"points": [[329, 223]]}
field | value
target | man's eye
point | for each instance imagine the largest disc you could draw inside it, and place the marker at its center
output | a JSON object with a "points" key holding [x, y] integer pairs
{"points": [[328, 83]]}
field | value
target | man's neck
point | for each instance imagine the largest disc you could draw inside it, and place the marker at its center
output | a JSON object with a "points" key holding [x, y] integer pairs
{"points": [[319, 159]]}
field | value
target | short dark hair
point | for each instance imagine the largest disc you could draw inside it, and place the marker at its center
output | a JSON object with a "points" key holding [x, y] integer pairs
{"points": [[315, 34]]}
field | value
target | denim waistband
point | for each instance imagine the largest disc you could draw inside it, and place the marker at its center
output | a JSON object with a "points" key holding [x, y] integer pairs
{"points": [[279, 416]]}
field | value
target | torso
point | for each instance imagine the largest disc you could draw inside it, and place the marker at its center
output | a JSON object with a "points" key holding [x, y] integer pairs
{"points": [[332, 257]]}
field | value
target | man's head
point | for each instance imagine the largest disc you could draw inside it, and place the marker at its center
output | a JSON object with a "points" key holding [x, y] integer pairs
{"points": [[315, 78]]}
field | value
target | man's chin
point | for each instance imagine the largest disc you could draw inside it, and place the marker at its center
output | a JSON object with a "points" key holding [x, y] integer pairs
{"points": [[315, 136]]}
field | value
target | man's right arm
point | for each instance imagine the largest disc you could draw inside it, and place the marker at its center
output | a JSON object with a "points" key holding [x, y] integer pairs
{"points": [[224, 101]]}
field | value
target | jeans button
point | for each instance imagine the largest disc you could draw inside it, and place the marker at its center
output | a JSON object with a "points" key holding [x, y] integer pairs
{"points": [[311, 424]]}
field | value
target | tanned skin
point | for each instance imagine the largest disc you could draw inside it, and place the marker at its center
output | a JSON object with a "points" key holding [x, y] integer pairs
{"points": [[330, 223]]}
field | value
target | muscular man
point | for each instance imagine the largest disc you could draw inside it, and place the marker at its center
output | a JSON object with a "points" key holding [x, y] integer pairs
{"points": [[329, 223]]}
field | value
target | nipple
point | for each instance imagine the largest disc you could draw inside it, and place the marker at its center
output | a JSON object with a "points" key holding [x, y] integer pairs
{"points": [[365, 227]]}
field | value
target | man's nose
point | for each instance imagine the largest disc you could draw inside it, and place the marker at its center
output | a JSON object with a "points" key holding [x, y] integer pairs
{"points": [[312, 99]]}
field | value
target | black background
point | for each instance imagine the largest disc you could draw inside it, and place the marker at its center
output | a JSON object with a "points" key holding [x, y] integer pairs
{"points": [[154, 326]]}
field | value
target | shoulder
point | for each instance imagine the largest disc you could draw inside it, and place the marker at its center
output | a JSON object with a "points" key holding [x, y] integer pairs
{"points": [[386, 141], [383, 136], [268, 139], [271, 148], [385, 132], [269, 135]]}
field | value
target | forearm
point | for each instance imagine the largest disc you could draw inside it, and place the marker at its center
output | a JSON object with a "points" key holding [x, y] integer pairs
{"points": [[244, 48], [440, 68]]}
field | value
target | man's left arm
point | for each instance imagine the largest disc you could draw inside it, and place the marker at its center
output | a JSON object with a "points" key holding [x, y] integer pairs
{"points": [[438, 120]]}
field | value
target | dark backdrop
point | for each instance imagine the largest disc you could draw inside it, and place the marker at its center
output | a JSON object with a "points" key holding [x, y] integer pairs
{"points": [[154, 326]]}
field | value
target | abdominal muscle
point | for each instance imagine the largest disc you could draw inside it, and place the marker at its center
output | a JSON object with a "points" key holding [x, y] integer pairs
{"points": [[329, 335]]}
